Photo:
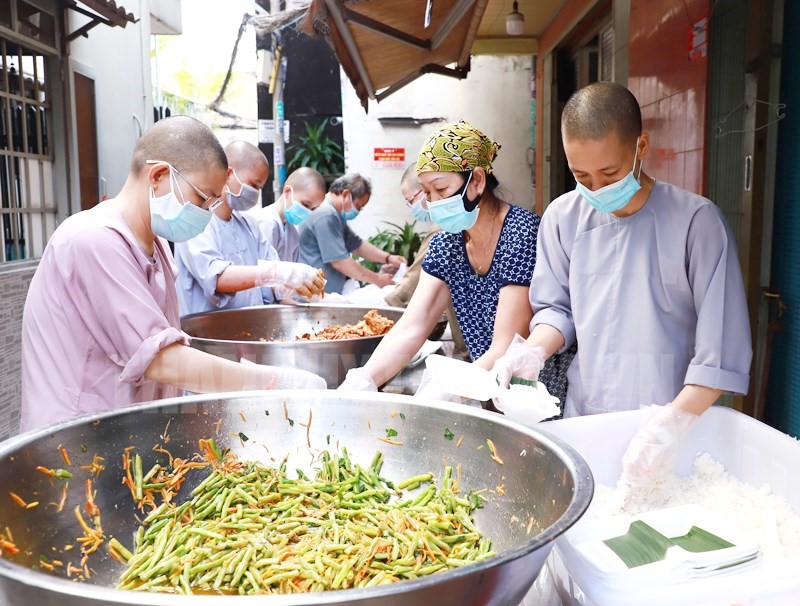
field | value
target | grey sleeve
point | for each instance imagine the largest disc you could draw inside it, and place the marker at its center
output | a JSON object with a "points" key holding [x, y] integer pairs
{"points": [[330, 239], [549, 294], [723, 350]]}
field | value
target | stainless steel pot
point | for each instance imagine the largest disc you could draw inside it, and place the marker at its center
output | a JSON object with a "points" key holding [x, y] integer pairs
{"points": [[547, 487], [235, 334]]}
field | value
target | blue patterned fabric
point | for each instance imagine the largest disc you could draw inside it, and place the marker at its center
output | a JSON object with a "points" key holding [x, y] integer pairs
{"points": [[475, 297]]}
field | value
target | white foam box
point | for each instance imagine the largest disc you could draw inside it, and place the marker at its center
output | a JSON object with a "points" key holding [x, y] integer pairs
{"points": [[750, 450]]}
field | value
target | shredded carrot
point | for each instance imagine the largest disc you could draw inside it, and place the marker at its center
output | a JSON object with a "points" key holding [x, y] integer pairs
{"points": [[18, 499], [285, 410], [94, 467], [217, 426], [91, 508], [158, 448], [389, 441], [501, 490], [458, 478], [45, 471], [165, 435], [393, 414], [459, 441], [531, 523], [495, 456], [64, 454], [46, 565], [32, 505], [241, 414]]}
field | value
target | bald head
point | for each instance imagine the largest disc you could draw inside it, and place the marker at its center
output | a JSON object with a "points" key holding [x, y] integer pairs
{"points": [[410, 178], [307, 179], [184, 142], [596, 111], [245, 156]]}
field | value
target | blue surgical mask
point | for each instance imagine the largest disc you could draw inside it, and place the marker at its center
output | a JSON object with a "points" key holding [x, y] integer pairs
{"points": [[173, 220], [615, 196], [295, 213], [451, 213], [349, 215], [418, 211], [245, 199]]}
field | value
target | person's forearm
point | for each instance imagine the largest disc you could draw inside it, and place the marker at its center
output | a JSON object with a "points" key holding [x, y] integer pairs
{"points": [[395, 350], [200, 372], [548, 337], [236, 278], [370, 252], [696, 399], [353, 269]]}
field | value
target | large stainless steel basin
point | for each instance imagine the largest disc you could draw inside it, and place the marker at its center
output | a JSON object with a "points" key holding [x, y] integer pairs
{"points": [[235, 334], [547, 487]]}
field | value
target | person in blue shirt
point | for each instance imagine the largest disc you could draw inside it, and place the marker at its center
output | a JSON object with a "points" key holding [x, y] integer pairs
{"points": [[279, 223], [328, 243], [230, 265], [482, 260]]}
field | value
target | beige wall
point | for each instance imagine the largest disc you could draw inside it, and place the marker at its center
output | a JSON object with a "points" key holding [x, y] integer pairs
{"points": [[119, 61], [495, 97]]}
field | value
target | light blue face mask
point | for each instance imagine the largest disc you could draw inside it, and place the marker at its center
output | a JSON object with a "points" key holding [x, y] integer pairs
{"points": [[295, 213], [418, 211], [615, 196], [349, 215], [175, 221], [451, 214]]}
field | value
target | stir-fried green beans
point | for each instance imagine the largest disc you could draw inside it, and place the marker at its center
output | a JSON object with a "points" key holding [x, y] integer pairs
{"points": [[250, 529]]}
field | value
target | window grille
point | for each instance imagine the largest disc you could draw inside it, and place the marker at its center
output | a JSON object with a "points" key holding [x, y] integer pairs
{"points": [[28, 210]]}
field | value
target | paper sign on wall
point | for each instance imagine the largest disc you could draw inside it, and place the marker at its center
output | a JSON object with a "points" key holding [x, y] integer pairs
{"points": [[389, 157], [266, 131]]}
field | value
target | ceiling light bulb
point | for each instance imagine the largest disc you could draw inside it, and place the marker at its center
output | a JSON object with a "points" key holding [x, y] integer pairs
{"points": [[515, 21]]}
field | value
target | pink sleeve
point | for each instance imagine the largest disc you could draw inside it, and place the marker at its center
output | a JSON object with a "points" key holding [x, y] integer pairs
{"points": [[125, 299]]}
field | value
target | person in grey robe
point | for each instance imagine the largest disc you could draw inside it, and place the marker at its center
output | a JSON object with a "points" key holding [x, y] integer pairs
{"points": [[645, 276]]}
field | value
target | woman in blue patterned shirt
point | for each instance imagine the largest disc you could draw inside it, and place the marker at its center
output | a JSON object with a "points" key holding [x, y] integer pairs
{"points": [[483, 259]]}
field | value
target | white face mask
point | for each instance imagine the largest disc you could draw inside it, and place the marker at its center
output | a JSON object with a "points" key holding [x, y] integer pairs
{"points": [[245, 199]]}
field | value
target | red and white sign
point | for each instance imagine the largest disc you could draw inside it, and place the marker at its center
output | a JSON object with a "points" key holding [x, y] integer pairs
{"points": [[389, 157]]}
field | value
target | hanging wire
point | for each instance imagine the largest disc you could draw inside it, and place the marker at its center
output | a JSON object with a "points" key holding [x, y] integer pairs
{"points": [[780, 114]]}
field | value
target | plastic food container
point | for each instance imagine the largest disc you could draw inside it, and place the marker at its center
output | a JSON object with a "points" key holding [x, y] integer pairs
{"points": [[750, 451]]}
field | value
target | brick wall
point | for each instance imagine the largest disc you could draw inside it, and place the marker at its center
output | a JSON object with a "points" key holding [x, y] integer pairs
{"points": [[14, 281]]}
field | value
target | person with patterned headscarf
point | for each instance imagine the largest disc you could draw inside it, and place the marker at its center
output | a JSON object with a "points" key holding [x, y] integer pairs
{"points": [[482, 260]]}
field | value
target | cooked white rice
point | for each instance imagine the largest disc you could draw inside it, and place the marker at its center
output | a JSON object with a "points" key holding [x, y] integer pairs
{"points": [[768, 516]]}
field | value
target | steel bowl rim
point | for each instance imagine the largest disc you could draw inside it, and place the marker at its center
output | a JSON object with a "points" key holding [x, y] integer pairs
{"points": [[583, 493], [293, 344]]}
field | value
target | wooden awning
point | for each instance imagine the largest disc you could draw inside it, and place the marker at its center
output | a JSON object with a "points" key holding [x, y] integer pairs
{"points": [[383, 45], [104, 12]]}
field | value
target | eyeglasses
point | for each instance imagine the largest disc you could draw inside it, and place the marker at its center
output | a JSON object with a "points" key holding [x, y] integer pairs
{"points": [[410, 201], [210, 203]]}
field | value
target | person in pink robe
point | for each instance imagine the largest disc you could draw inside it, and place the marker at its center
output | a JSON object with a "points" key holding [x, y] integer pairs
{"points": [[101, 327]]}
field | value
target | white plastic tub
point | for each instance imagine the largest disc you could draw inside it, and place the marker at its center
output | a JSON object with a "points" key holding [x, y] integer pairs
{"points": [[750, 450]]}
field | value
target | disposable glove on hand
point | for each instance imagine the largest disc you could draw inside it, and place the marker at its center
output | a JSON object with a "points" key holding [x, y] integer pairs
{"points": [[299, 277], [430, 388], [651, 452], [295, 378], [358, 379], [279, 377], [520, 360]]}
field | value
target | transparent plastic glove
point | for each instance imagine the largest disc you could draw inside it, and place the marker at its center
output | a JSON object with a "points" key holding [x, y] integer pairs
{"points": [[299, 277], [295, 378], [527, 404], [358, 379], [520, 360], [651, 452], [279, 377], [430, 388]]}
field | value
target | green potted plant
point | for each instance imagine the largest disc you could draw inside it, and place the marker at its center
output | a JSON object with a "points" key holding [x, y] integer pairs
{"points": [[315, 149], [398, 240]]}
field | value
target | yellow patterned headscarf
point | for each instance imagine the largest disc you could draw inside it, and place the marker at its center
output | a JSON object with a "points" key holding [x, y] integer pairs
{"points": [[456, 148]]}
